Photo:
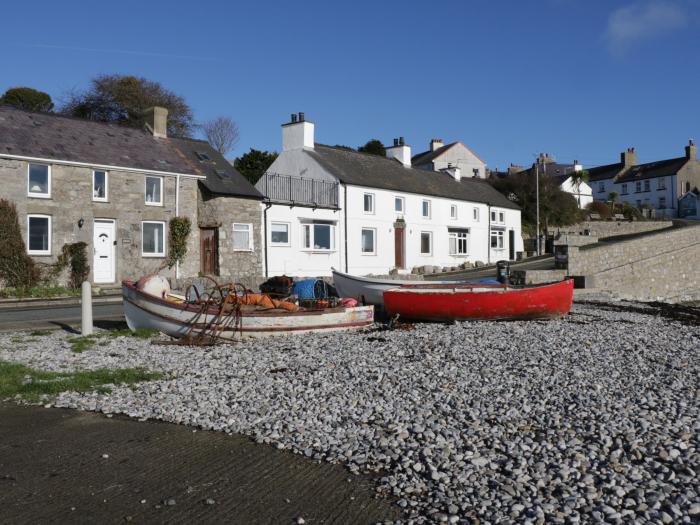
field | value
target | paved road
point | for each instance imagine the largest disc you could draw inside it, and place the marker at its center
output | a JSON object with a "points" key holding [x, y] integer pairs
{"points": [[539, 263], [53, 470], [57, 316]]}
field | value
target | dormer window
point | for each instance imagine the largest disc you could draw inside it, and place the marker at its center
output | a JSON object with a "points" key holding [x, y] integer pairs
{"points": [[39, 181], [203, 157]]}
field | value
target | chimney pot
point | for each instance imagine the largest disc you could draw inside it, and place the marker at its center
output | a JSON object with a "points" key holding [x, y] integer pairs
{"points": [[294, 117], [401, 142], [301, 116], [396, 142], [691, 150]]}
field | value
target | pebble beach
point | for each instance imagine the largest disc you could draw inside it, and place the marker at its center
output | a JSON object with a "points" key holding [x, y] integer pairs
{"points": [[594, 418]]}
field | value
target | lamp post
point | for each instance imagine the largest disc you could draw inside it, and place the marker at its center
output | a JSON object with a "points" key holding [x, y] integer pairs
{"points": [[537, 196]]}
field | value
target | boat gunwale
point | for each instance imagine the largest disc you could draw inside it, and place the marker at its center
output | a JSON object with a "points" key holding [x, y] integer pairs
{"points": [[469, 288]]}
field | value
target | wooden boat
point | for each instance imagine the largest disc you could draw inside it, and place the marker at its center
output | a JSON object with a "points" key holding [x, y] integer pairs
{"points": [[372, 290], [175, 317], [429, 302]]}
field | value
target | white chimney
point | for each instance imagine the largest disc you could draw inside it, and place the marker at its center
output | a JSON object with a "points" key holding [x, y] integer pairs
{"points": [[298, 133], [436, 144], [578, 166], [400, 151], [454, 172]]}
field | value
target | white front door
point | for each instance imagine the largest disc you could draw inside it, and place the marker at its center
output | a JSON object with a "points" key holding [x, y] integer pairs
{"points": [[104, 243]]}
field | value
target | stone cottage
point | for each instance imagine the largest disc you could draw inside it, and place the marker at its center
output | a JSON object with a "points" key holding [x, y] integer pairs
{"points": [[116, 189]]}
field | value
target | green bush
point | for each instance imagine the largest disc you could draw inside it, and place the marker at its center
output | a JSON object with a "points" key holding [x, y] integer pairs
{"points": [[17, 269], [180, 228], [600, 208]]}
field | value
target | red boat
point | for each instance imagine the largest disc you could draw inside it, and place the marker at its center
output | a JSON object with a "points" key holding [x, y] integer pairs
{"points": [[467, 302]]}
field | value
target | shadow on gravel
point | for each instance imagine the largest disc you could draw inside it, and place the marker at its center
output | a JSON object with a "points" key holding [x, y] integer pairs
{"points": [[687, 315], [66, 466]]}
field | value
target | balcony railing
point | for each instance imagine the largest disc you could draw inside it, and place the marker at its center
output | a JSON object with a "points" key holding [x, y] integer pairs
{"points": [[301, 191]]}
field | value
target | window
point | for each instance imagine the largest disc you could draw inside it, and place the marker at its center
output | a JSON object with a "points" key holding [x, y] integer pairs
{"points": [[458, 239], [398, 204], [453, 211], [493, 216], [662, 183], [426, 243], [624, 189], [39, 234], [662, 203], [646, 185], [638, 186], [153, 239], [203, 157], [154, 191], [318, 236], [476, 214], [99, 186], [279, 233], [369, 240], [369, 202], [242, 237], [601, 187], [475, 171], [425, 206], [497, 239], [39, 181], [501, 216]]}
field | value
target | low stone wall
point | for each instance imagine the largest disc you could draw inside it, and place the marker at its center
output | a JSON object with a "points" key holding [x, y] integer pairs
{"points": [[603, 229], [657, 266], [538, 276]]}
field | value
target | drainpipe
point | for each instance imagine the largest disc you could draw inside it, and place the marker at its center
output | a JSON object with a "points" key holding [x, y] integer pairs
{"points": [[177, 214], [267, 207], [488, 236], [345, 220]]}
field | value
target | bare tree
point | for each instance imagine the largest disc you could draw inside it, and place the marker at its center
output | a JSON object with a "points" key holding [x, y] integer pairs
{"points": [[222, 133]]}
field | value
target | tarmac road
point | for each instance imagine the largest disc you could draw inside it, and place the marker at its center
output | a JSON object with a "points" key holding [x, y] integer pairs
{"points": [[66, 466], [63, 316]]}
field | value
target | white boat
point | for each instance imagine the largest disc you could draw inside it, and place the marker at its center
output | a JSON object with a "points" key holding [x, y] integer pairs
{"points": [[370, 290], [178, 318]]}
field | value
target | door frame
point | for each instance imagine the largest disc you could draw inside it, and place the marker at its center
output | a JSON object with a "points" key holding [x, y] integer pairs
{"points": [[400, 227], [215, 229], [113, 272]]}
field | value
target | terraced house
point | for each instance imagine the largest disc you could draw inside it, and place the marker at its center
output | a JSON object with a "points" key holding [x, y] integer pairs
{"points": [[663, 188], [360, 213], [116, 189]]}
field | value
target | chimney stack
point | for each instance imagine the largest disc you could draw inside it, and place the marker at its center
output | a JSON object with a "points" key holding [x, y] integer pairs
{"points": [[578, 166], [691, 150], [157, 121], [454, 171], [436, 144], [298, 133], [400, 151], [628, 158]]}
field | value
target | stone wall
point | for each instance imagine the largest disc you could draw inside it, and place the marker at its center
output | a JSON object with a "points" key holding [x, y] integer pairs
{"points": [[221, 212], [657, 266], [71, 200], [603, 229]]}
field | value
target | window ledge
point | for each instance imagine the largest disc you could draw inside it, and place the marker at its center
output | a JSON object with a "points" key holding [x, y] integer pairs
{"points": [[154, 204], [39, 195], [318, 251], [39, 254], [153, 255], [245, 250]]}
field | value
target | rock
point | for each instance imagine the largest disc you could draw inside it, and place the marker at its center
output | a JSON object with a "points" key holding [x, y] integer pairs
{"points": [[479, 264]]}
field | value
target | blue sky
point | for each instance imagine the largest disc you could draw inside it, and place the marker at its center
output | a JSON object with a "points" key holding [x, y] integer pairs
{"points": [[578, 79]]}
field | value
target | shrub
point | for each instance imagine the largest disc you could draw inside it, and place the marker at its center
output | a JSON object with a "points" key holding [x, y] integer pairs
{"points": [[600, 208], [631, 212], [180, 228], [17, 269], [76, 257]]}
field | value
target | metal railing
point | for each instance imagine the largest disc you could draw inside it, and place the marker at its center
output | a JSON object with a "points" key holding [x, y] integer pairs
{"points": [[290, 189]]}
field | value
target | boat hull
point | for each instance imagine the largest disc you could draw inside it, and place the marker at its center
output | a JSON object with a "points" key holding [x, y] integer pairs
{"points": [[178, 319], [480, 302]]}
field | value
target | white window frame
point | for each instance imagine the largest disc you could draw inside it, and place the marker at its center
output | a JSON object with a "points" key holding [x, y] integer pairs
{"points": [[638, 186], [501, 217], [374, 241], [403, 204], [476, 214], [601, 187], [662, 183], [624, 189], [39, 216], [310, 226], [160, 254], [500, 242], [106, 197], [453, 208], [456, 236], [30, 193], [372, 203], [662, 203], [430, 236], [289, 234], [647, 185], [145, 190], [422, 208], [249, 229]]}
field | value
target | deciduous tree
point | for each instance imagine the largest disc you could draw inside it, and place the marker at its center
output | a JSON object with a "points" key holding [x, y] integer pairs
{"points": [[222, 133]]}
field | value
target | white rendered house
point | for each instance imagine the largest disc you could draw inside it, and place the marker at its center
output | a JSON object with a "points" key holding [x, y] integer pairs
{"points": [[456, 154], [364, 214]]}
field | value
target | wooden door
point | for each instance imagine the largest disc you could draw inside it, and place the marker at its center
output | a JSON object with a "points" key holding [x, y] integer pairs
{"points": [[209, 251], [399, 251]]}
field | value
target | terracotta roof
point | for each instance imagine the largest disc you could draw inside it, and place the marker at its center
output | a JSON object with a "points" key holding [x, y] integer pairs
{"points": [[372, 171]]}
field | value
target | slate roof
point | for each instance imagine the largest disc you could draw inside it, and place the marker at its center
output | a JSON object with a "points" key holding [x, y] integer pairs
{"points": [[427, 157], [55, 137], [608, 171], [660, 168], [372, 171], [222, 177]]}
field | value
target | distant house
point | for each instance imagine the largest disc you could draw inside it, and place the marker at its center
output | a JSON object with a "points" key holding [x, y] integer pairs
{"points": [[689, 205], [655, 186], [116, 189], [441, 156], [333, 207]]}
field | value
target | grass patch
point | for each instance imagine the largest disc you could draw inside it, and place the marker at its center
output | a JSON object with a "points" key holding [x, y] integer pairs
{"points": [[39, 333], [31, 385], [85, 342], [140, 333], [81, 343], [38, 291]]}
